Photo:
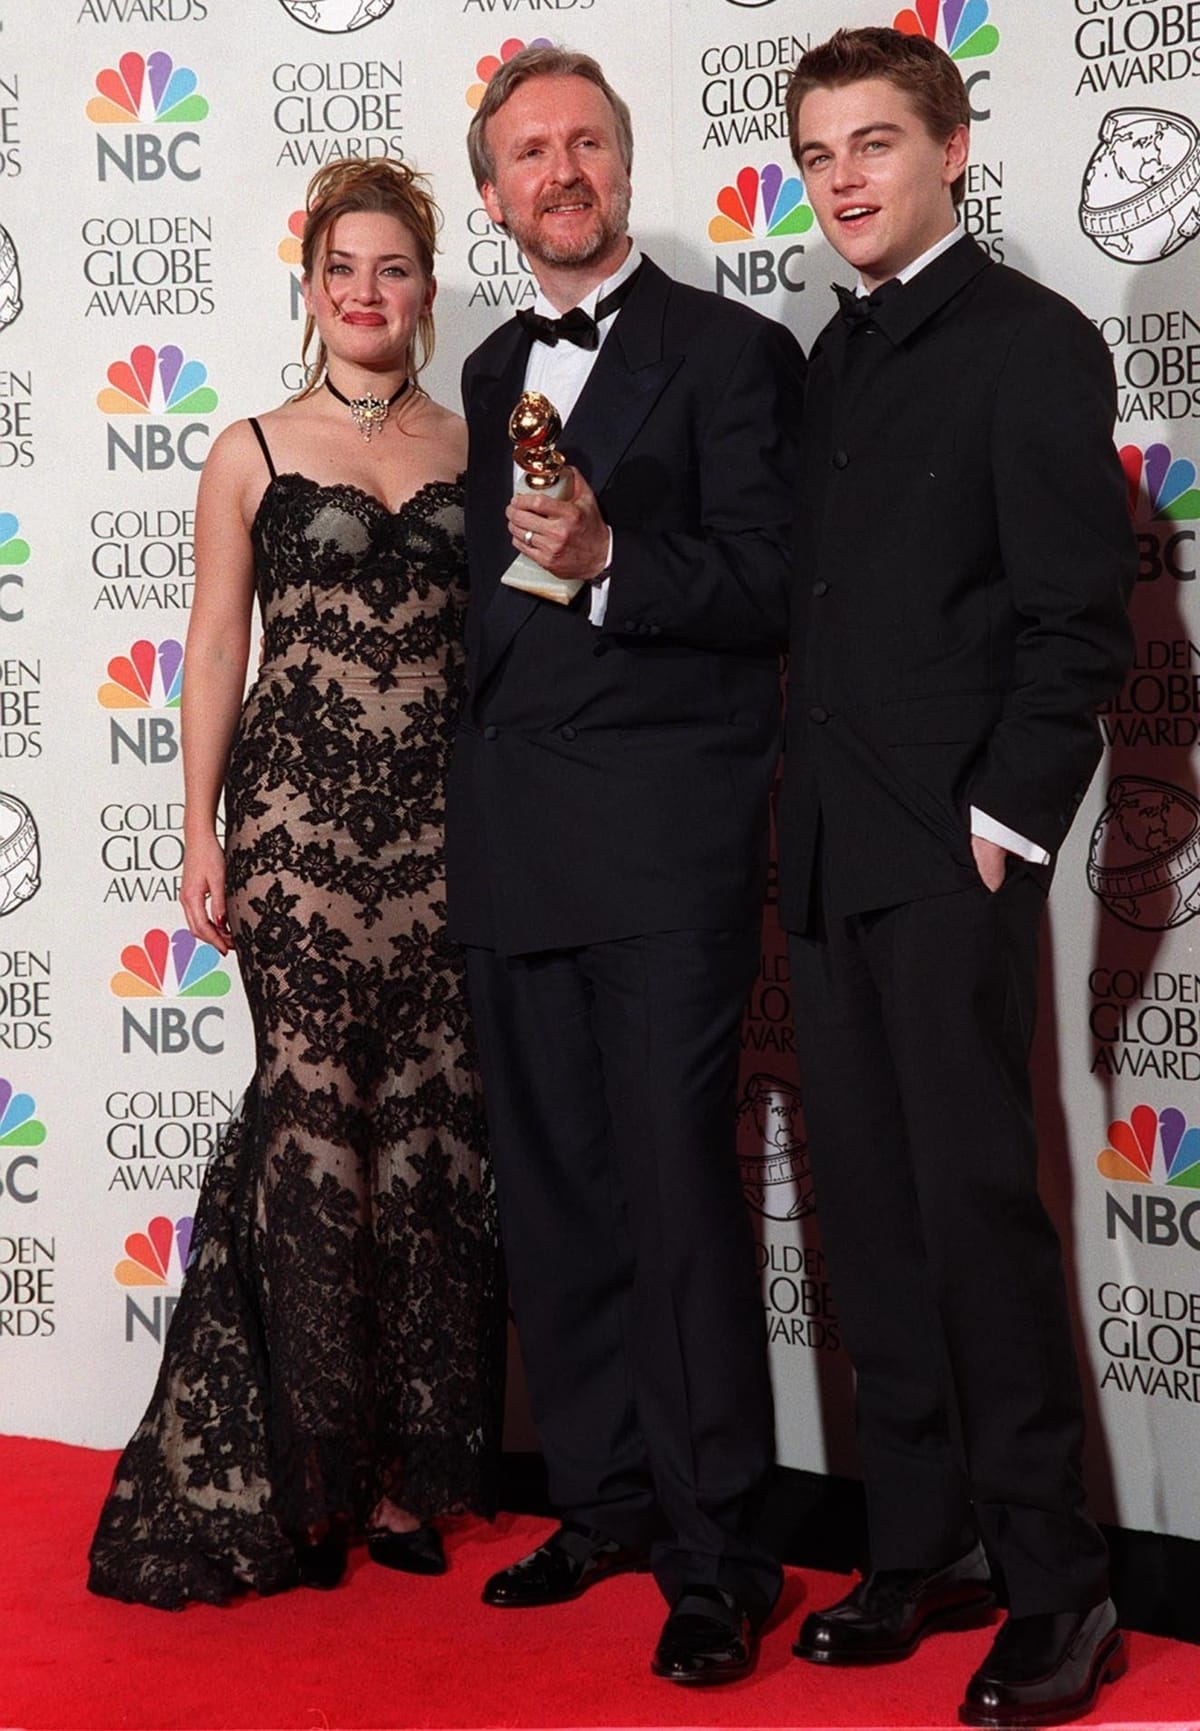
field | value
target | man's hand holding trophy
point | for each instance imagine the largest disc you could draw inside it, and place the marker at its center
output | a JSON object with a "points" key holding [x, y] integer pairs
{"points": [[560, 538]]}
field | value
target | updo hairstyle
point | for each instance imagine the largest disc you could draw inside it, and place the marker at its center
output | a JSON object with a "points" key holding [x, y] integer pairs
{"points": [[380, 184]]}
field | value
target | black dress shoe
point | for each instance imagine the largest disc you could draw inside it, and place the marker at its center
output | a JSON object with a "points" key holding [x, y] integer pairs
{"points": [[571, 1560], [708, 1638], [1047, 1669], [418, 1552], [888, 1614], [322, 1562]]}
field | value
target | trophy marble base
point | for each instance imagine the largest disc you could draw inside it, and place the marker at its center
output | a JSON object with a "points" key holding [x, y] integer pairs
{"points": [[525, 573]]}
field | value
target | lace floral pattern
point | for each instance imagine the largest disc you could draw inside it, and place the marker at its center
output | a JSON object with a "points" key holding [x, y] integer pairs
{"points": [[339, 1335]]}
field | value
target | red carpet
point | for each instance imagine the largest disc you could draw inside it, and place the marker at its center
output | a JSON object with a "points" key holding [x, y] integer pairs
{"points": [[387, 1650]]}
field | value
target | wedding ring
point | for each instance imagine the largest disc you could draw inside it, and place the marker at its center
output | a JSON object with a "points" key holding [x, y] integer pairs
{"points": [[529, 537]]}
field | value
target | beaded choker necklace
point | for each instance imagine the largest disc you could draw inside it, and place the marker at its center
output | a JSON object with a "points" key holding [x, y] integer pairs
{"points": [[370, 412]]}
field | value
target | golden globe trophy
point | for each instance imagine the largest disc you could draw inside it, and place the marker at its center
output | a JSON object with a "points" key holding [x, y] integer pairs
{"points": [[533, 427]]}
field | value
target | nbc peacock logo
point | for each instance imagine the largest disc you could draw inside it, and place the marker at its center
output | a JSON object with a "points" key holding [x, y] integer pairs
{"points": [[20, 1130], [20, 1126], [289, 248], [14, 552], [1134, 1142], [1161, 488], [140, 91], [180, 966], [140, 94], [290, 252], [1162, 496], [961, 27], [780, 201], [490, 64], [148, 677], [153, 1256], [166, 966], [153, 1262], [157, 381], [760, 205], [1153, 1147]]}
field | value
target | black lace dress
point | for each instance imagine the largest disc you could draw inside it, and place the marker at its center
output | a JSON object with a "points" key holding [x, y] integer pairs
{"points": [[339, 1334]]}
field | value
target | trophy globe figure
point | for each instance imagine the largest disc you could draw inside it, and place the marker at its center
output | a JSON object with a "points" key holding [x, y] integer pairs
{"points": [[533, 427]]}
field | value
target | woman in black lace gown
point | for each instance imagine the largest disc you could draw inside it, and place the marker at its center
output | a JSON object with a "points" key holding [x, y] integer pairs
{"points": [[334, 1362]]}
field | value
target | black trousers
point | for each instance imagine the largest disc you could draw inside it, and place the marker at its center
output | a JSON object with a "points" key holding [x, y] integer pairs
{"points": [[610, 1082], [913, 1028]]}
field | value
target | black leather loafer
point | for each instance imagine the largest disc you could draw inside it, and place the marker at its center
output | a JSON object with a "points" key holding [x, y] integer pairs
{"points": [[571, 1560], [708, 1638], [1046, 1670], [888, 1615], [418, 1552]]}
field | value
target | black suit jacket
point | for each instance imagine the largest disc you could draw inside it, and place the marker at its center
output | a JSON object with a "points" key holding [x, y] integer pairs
{"points": [[964, 557], [608, 783]]}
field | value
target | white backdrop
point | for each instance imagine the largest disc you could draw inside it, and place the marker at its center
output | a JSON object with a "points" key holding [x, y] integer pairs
{"points": [[152, 156]]}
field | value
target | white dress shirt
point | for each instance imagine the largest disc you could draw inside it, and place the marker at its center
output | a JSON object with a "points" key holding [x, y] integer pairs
{"points": [[560, 371], [985, 827]]}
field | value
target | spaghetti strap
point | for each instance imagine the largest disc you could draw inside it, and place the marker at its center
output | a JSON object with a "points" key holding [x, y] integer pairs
{"points": [[258, 434]]}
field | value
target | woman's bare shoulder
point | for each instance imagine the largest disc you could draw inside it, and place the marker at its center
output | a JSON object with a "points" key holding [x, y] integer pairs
{"points": [[449, 431]]}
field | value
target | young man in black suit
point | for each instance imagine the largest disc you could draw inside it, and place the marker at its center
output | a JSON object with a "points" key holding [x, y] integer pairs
{"points": [[958, 612], [606, 852]]}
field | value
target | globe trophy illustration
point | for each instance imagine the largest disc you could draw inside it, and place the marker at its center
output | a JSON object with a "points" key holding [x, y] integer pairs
{"points": [[1141, 189], [533, 427], [10, 281], [336, 17], [1144, 859], [773, 1149], [20, 855]]}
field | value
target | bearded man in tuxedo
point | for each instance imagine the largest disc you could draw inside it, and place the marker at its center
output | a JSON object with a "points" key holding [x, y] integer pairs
{"points": [[606, 855]]}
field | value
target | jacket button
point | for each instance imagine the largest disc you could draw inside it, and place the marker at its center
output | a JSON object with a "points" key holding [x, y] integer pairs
{"points": [[817, 714], [568, 733], [655, 630], [600, 648], [839, 459], [490, 732], [631, 625], [820, 587]]}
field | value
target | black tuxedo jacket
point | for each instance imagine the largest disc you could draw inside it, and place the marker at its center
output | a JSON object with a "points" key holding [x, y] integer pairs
{"points": [[610, 783], [964, 557]]}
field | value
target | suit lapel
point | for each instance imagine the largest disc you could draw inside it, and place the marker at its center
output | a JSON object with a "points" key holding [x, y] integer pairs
{"points": [[928, 292], [629, 374], [493, 398]]}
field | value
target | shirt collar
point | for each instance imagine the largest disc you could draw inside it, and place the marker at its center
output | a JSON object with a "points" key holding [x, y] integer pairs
{"points": [[927, 257], [591, 300]]}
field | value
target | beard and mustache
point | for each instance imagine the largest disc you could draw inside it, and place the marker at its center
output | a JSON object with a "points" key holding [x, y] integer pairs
{"points": [[606, 228]]}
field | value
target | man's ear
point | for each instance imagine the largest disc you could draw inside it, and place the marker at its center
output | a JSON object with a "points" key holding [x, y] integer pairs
{"points": [[491, 203], [958, 149]]}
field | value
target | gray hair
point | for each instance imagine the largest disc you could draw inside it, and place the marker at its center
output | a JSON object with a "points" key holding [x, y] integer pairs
{"points": [[548, 62]]}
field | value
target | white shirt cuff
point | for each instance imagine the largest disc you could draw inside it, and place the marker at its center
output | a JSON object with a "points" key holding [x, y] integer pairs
{"points": [[989, 830], [598, 599]]}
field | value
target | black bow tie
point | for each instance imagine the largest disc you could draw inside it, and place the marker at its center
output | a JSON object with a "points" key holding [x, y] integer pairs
{"points": [[857, 309], [577, 326]]}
